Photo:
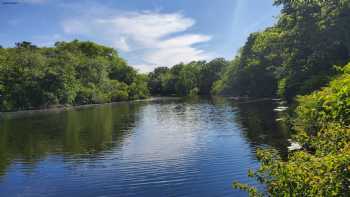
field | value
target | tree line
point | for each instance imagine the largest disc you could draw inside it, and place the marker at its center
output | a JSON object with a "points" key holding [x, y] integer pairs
{"points": [[70, 73], [194, 78], [78, 73]]}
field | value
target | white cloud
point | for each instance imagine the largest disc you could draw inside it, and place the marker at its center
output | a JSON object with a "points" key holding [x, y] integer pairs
{"points": [[121, 44], [149, 28], [183, 41], [176, 55], [160, 39], [144, 68]]}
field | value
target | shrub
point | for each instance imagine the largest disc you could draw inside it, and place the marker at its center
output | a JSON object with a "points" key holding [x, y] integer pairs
{"points": [[322, 168]]}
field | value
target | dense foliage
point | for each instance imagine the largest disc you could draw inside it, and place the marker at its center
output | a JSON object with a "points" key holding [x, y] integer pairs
{"points": [[305, 51], [296, 56], [76, 73], [71, 73], [194, 78], [322, 168]]}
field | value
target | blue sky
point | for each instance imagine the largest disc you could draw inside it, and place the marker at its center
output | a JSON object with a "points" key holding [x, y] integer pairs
{"points": [[147, 33]]}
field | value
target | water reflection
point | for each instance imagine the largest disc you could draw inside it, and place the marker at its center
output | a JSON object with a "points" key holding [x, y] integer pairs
{"points": [[259, 124], [167, 147], [256, 118], [32, 137]]}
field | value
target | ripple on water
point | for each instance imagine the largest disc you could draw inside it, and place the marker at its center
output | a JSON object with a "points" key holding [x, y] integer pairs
{"points": [[159, 148]]}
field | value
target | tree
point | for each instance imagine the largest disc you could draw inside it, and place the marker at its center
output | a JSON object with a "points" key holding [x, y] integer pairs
{"points": [[157, 81], [209, 73], [255, 71], [194, 78], [188, 79], [296, 56], [72, 73]]}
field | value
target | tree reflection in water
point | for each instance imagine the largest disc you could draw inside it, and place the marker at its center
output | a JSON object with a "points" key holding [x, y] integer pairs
{"points": [[31, 137]]}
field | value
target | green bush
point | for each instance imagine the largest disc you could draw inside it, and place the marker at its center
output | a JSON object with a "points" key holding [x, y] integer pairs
{"points": [[139, 89], [331, 104], [303, 175], [118, 91], [322, 167]]}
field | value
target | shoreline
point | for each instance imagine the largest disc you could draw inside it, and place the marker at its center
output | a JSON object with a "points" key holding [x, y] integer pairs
{"points": [[60, 108]]}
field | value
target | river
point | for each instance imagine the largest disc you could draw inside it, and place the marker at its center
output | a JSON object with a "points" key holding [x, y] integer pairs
{"points": [[164, 147]]}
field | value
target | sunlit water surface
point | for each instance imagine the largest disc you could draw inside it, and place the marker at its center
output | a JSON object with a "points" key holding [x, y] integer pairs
{"points": [[166, 147]]}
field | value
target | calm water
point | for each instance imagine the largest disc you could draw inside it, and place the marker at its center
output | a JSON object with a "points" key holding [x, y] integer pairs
{"points": [[167, 147]]}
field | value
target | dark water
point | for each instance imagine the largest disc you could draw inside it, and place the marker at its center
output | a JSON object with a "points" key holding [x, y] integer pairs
{"points": [[167, 147]]}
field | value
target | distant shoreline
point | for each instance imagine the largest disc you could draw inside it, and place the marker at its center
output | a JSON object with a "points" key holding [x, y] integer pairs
{"points": [[59, 108]]}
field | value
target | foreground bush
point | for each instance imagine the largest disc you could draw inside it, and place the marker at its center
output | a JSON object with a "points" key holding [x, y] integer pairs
{"points": [[332, 104], [322, 168]]}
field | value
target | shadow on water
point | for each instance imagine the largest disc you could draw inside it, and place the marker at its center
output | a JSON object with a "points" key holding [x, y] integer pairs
{"points": [[257, 119], [184, 147], [30, 137]]}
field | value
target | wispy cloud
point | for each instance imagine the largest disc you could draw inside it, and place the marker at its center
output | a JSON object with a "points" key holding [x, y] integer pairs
{"points": [[160, 39]]}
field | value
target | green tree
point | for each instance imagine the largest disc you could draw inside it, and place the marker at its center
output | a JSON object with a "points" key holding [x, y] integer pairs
{"points": [[72, 73], [209, 73], [157, 81], [188, 79], [255, 71]]}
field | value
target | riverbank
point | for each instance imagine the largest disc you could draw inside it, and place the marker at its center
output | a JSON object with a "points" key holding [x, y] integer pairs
{"points": [[59, 108]]}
